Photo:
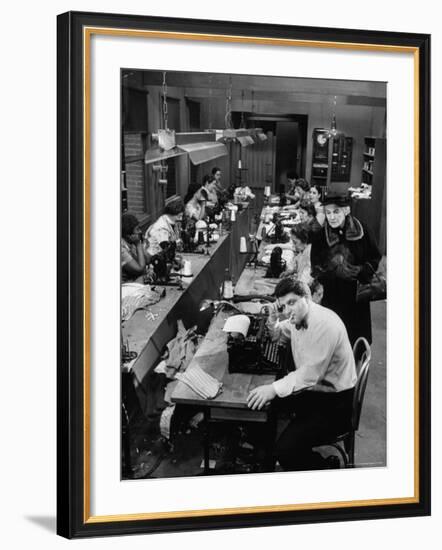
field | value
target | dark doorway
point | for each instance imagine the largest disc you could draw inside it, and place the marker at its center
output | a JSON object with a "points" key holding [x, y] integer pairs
{"points": [[288, 152], [291, 143]]}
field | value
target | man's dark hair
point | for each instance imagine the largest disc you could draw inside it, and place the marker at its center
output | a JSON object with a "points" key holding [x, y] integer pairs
{"points": [[174, 207], [292, 175], [314, 285], [301, 232], [309, 208], [128, 223], [215, 169], [287, 285]]}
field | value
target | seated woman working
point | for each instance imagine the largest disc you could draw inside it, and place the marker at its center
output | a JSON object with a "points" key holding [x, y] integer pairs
{"points": [[307, 214], [221, 191], [165, 228], [134, 257], [208, 193], [315, 199], [300, 268], [298, 191], [195, 203]]}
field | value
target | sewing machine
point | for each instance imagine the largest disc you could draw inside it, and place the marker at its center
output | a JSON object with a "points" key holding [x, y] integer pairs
{"points": [[255, 353], [276, 232], [194, 237], [188, 234], [277, 264], [164, 262]]}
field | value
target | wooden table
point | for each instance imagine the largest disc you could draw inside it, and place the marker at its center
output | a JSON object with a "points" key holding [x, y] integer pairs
{"points": [[148, 337], [231, 403]]}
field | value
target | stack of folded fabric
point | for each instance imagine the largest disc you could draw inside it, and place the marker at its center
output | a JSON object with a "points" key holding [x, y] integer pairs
{"points": [[200, 382]]}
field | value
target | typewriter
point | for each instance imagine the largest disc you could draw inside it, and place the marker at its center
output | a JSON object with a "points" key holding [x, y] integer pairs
{"points": [[256, 354]]}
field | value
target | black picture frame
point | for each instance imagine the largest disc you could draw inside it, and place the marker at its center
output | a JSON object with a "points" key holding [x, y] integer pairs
{"points": [[73, 520]]}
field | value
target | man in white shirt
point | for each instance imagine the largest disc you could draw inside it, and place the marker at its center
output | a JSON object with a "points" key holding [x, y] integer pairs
{"points": [[323, 379]]}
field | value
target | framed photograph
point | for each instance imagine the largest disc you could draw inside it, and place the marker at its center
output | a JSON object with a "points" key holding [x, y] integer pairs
{"points": [[231, 350]]}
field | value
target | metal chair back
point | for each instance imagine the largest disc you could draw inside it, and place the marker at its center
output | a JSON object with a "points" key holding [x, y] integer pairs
{"points": [[362, 355]]}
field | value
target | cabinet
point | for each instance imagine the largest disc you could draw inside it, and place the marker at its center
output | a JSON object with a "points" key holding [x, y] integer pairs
{"points": [[373, 211], [331, 158]]}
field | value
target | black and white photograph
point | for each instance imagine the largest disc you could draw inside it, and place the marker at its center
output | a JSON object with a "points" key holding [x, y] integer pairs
{"points": [[253, 274]]}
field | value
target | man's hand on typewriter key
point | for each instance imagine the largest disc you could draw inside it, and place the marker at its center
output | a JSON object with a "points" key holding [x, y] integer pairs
{"points": [[261, 395]]}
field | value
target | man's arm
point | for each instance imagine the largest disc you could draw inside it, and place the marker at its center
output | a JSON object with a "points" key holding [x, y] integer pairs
{"points": [[312, 365]]}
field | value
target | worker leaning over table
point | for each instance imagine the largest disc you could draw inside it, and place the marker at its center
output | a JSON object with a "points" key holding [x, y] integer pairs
{"points": [[325, 376], [165, 228]]}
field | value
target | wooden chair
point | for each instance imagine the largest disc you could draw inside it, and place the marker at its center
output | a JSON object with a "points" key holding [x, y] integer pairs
{"points": [[345, 443]]}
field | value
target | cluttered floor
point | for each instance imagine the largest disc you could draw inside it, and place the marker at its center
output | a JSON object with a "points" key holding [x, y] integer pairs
{"points": [[234, 448]]}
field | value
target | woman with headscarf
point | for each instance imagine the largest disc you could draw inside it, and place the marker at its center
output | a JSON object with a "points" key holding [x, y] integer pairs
{"points": [[165, 228], [195, 208], [344, 254]]}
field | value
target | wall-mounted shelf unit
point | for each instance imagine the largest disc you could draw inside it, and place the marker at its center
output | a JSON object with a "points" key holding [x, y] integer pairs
{"points": [[373, 211]]}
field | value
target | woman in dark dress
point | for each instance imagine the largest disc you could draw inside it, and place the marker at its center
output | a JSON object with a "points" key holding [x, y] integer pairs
{"points": [[343, 254]]}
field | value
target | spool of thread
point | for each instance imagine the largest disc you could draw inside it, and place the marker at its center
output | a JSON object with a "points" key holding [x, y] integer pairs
{"points": [[187, 268], [232, 215], [242, 244], [267, 191]]}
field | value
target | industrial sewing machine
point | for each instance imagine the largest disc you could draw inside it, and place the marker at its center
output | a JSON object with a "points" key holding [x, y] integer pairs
{"points": [[191, 245], [256, 353], [194, 237], [277, 264], [163, 263], [279, 234]]}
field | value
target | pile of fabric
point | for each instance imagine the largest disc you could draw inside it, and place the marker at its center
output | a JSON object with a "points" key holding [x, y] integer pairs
{"points": [[179, 351], [175, 361], [136, 296]]}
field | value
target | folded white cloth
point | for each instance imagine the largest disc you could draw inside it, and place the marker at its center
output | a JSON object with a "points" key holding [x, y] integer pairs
{"points": [[200, 382]]}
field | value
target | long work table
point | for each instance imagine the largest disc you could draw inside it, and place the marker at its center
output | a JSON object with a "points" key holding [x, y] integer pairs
{"points": [[148, 336]]}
